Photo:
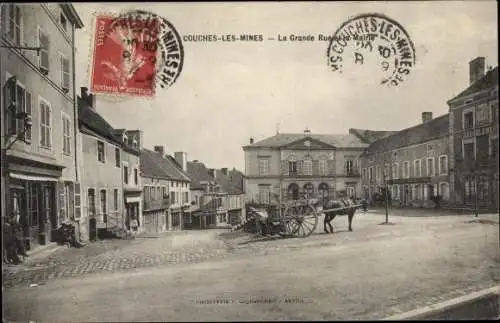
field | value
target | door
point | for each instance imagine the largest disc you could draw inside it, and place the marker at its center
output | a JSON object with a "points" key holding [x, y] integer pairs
{"points": [[406, 195]]}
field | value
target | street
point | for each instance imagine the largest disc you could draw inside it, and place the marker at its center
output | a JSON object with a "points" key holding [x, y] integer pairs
{"points": [[371, 273]]}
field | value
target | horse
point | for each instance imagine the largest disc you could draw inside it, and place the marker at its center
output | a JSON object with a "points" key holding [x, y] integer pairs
{"points": [[330, 215]]}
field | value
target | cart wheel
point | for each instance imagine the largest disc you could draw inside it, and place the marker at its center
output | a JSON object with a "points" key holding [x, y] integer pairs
{"points": [[300, 220]]}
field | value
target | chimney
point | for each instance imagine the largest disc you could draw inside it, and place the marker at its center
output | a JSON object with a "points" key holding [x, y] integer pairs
{"points": [[195, 161], [307, 132], [137, 135], [224, 171], [181, 159], [160, 150], [251, 140], [426, 117], [476, 69], [212, 172]]}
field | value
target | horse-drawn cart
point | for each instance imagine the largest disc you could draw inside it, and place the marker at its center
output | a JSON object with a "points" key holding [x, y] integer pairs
{"points": [[299, 218]]}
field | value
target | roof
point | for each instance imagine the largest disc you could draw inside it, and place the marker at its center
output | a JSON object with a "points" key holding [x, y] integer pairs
{"points": [[72, 14], [370, 136], [151, 165], [236, 177], [174, 170], [489, 80], [95, 122], [225, 183], [336, 140], [161, 165], [198, 173], [433, 129]]}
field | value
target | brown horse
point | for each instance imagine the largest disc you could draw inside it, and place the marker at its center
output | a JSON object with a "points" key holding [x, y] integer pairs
{"points": [[334, 204]]}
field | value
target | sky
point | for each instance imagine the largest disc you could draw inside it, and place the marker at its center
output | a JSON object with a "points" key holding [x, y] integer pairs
{"points": [[228, 92]]}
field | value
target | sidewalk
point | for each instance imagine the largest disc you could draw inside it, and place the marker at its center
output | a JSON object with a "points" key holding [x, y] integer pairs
{"points": [[419, 212]]}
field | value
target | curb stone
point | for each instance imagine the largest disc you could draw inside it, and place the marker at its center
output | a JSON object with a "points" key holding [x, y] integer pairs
{"points": [[444, 306]]}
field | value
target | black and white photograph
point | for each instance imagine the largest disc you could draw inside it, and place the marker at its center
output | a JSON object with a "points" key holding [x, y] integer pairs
{"points": [[249, 161]]}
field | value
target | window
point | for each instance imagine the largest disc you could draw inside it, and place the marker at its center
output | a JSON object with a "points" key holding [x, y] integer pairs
{"points": [[45, 125], [292, 167], [115, 199], [117, 157], [430, 148], [377, 172], [100, 151], [417, 168], [91, 203], [386, 171], [349, 166], [430, 166], [494, 148], [307, 166], [263, 166], [323, 166], [136, 178], [469, 152], [43, 41], [494, 111], [65, 80], [323, 190], [469, 189], [16, 93], [482, 113], [63, 22], [264, 194], [163, 192], [103, 206], [416, 192], [395, 192], [186, 197], [14, 23], [66, 135], [468, 120], [395, 170], [406, 169], [363, 173], [370, 173], [443, 165], [172, 197], [125, 174], [444, 190]]}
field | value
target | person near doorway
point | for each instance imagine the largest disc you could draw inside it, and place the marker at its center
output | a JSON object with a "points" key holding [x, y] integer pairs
{"points": [[134, 223]]}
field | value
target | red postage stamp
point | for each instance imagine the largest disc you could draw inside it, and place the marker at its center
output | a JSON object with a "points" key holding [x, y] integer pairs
{"points": [[125, 55]]}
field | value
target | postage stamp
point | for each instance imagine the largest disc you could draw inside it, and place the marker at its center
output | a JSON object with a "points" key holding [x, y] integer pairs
{"points": [[374, 39], [133, 53]]}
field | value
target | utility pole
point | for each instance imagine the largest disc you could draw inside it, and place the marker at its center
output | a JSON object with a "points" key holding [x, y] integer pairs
{"points": [[386, 198]]}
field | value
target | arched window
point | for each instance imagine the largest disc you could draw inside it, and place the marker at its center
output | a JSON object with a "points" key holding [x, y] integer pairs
{"points": [[293, 192], [307, 166], [309, 190], [323, 190]]}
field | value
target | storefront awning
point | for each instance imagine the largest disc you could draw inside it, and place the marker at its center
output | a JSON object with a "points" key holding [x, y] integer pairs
{"points": [[33, 177]]}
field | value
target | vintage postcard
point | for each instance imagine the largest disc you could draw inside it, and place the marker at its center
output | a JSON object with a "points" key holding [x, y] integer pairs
{"points": [[249, 161]]}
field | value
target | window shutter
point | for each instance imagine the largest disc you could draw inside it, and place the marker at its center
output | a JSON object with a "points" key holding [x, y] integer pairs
{"points": [[300, 164], [62, 202], [331, 167], [315, 167], [65, 73], [27, 134], [78, 207], [44, 52]]}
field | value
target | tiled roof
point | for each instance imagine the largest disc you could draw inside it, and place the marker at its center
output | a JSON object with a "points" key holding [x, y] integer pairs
{"points": [[198, 173], [436, 128], [162, 164], [151, 165], [225, 183], [95, 122], [487, 81], [370, 136], [236, 177], [336, 140]]}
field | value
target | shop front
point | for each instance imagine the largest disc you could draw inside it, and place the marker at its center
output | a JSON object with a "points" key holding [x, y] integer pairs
{"points": [[31, 199], [133, 211]]}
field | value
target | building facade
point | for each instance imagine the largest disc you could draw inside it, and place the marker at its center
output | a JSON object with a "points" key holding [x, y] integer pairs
{"points": [[110, 186], [293, 166], [473, 127], [234, 199], [413, 163], [40, 171]]}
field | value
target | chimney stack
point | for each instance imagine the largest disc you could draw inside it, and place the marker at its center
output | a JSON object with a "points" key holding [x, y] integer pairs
{"points": [[224, 171], [426, 117], [251, 140], [160, 150], [476, 69], [307, 132], [212, 172], [181, 159]]}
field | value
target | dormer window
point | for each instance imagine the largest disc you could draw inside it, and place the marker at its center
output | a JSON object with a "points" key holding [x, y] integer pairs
{"points": [[134, 143], [125, 138]]}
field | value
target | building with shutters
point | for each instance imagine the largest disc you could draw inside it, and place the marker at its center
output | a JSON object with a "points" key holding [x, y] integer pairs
{"points": [[413, 163], [292, 166], [473, 126], [40, 170], [111, 188]]}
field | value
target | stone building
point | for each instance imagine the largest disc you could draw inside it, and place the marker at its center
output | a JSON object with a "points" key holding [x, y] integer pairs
{"points": [[110, 184], [473, 127], [40, 170], [292, 166], [413, 163]]}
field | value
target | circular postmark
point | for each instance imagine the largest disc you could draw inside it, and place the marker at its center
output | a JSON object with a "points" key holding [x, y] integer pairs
{"points": [[373, 39], [136, 51]]}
